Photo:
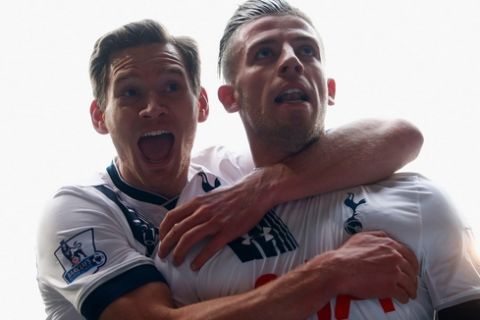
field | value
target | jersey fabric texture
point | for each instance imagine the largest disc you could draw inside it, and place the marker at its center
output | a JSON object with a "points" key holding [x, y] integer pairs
{"points": [[96, 241], [407, 206]]}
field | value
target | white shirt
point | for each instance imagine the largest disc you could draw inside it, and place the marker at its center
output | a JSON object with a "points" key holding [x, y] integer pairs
{"points": [[96, 241], [407, 206]]}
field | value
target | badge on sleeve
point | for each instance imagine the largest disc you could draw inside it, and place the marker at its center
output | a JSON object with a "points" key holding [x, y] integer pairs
{"points": [[79, 256]]}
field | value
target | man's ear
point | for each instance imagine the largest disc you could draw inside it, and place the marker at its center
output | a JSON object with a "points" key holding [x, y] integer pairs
{"points": [[203, 108], [226, 95], [332, 89], [98, 118]]}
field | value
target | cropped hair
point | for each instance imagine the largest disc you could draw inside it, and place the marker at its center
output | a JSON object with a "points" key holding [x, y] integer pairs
{"points": [[137, 34], [248, 12]]}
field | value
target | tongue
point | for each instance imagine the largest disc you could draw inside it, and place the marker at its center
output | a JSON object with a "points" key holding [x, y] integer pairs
{"points": [[156, 148], [289, 97]]}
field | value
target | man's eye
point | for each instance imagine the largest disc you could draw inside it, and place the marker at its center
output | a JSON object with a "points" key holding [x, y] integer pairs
{"points": [[306, 51], [172, 87], [264, 53], [131, 92]]}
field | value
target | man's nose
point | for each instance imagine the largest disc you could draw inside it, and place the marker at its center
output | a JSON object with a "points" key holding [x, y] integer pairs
{"points": [[290, 65], [154, 108]]}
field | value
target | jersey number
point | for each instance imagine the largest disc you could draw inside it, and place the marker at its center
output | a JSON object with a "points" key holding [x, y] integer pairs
{"points": [[342, 302]]}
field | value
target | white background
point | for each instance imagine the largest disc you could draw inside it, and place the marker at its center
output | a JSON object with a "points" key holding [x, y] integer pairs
{"points": [[413, 59]]}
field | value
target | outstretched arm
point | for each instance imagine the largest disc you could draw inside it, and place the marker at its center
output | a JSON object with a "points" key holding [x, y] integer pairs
{"points": [[358, 153], [368, 265]]}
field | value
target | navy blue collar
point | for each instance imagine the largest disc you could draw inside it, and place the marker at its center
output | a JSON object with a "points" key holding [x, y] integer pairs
{"points": [[138, 194]]}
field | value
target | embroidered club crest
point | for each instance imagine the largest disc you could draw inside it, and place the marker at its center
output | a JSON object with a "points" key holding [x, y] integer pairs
{"points": [[352, 225], [79, 256]]}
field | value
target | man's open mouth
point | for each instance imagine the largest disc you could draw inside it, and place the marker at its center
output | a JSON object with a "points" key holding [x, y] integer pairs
{"points": [[292, 96], [156, 145]]}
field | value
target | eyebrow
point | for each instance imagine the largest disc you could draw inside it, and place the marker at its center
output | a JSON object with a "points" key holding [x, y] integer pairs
{"points": [[125, 77], [171, 70], [306, 38], [133, 75], [261, 43], [272, 40]]}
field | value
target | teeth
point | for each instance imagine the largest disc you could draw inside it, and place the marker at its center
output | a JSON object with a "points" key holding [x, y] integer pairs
{"points": [[155, 133], [291, 91], [291, 95]]}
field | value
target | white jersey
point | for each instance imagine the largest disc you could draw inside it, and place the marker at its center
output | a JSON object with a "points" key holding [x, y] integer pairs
{"points": [[96, 241], [406, 206]]}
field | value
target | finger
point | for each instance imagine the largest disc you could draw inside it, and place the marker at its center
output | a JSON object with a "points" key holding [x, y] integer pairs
{"points": [[190, 238], [408, 283], [214, 245], [410, 256], [409, 269], [368, 237], [175, 216], [177, 231], [400, 295], [168, 242], [376, 233]]}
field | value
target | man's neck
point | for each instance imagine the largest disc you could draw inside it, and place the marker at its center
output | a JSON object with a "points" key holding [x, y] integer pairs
{"points": [[267, 153], [166, 186]]}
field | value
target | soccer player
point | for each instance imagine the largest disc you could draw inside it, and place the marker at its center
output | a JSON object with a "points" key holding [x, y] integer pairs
{"points": [[97, 240], [273, 62]]}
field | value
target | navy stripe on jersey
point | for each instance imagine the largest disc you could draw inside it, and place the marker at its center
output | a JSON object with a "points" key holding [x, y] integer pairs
{"points": [[114, 288], [269, 238], [138, 194], [143, 231]]}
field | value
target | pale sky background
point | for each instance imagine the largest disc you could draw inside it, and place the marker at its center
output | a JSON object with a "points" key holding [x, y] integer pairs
{"points": [[417, 60]]}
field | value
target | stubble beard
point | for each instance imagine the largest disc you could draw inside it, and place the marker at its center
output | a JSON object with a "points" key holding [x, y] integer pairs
{"points": [[287, 138]]}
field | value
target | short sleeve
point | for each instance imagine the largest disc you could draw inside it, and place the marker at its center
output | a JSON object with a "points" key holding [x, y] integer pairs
{"points": [[86, 257], [451, 266]]}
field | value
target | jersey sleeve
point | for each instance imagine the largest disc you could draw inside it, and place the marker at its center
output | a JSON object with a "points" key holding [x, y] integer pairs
{"points": [[86, 256], [451, 266], [224, 163]]}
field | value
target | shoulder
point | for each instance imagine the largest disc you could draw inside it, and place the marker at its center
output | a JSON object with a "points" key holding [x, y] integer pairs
{"points": [[415, 188], [224, 163], [75, 198], [433, 200], [71, 211]]}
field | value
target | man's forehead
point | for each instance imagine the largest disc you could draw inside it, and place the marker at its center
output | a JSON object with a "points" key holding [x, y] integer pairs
{"points": [[270, 26], [149, 56]]}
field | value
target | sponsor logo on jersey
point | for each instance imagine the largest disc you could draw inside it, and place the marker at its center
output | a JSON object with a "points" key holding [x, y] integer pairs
{"points": [[269, 238], [352, 225], [78, 256]]}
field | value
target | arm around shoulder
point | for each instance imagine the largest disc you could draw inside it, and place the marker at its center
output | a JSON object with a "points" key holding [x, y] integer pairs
{"points": [[360, 152], [357, 153]]}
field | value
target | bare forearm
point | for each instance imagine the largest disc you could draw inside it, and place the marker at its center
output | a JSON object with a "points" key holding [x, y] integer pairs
{"points": [[297, 295], [358, 153], [368, 265]]}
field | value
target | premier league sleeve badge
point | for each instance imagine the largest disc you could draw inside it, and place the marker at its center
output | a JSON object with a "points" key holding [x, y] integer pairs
{"points": [[79, 256]]}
